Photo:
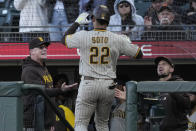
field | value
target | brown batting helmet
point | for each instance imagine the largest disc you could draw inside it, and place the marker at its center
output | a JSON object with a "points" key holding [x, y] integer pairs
{"points": [[101, 12]]}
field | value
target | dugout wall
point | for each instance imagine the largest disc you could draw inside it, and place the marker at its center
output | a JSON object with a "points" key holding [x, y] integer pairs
{"points": [[133, 88]]}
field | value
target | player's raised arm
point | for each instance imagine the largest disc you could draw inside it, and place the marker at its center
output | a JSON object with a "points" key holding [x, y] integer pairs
{"points": [[129, 49], [82, 19]]}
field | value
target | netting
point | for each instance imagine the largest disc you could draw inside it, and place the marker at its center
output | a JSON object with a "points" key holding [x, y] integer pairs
{"points": [[18, 26]]}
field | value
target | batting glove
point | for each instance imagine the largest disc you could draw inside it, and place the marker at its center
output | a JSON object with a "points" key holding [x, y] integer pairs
{"points": [[83, 18]]}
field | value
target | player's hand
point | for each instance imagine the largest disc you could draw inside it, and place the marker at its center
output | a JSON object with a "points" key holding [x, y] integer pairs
{"points": [[65, 87], [83, 18], [120, 94]]}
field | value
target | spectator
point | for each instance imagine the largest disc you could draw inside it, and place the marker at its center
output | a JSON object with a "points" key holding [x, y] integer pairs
{"points": [[110, 5], [72, 10], [152, 11], [192, 114], [33, 18], [85, 5], [60, 15], [168, 29], [176, 5], [189, 18], [89, 5], [176, 105], [37, 112], [125, 20]]}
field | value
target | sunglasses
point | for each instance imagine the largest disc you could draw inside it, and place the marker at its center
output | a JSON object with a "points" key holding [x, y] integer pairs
{"points": [[42, 47], [124, 5]]}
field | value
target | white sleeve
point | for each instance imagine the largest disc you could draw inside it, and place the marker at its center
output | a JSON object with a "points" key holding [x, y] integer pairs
{"points": [[74, 40], [127, 48], [19, 4]]}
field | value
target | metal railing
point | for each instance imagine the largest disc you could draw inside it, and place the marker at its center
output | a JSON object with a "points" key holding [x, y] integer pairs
{"points": [[36, 88], [160, 33]]}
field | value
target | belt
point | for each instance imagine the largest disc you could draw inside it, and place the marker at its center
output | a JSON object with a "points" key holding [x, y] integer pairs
{"points": [[92, 78]]}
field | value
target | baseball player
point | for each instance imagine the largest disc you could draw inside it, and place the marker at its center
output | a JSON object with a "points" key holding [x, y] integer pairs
{"points": [[99, 51]]}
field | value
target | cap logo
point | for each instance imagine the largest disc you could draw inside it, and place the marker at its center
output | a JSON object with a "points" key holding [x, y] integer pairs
{"points": [[40, 38], [102, 16]]}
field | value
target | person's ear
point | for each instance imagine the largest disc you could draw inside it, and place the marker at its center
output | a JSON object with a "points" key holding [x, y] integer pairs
{"points": [[171, 69]]}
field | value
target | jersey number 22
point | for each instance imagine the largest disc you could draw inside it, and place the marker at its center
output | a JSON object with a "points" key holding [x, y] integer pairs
{"points": [[105, 52]]}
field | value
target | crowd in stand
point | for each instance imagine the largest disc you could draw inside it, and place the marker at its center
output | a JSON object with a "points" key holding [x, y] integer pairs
{"points": [[163, 20]]}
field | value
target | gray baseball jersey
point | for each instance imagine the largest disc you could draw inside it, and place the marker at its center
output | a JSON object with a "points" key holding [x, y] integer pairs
{"points": [[99, 51]]}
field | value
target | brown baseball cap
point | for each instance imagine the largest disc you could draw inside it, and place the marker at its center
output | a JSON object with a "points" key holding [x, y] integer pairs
{"points": [[158, 59], [36, 42]]}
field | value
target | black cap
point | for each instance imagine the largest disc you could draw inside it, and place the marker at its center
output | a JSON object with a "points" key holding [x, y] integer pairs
{"points": [[158, 59], [166, 7], [36, 42]]}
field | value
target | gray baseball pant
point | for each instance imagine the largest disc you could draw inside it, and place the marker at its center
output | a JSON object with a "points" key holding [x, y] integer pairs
{"points": [[93, 96]]}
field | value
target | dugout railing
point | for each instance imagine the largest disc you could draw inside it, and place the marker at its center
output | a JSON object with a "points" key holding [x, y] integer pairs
{"points": [[133, 88], [11, 105]]}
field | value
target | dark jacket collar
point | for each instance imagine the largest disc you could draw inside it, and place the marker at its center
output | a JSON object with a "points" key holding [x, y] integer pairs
{"points": [[175, 78], [29, 62]]}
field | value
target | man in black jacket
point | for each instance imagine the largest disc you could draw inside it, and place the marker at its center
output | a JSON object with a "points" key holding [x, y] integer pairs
{"points": [[37, 113], [176, 105]]}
